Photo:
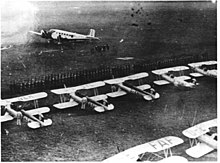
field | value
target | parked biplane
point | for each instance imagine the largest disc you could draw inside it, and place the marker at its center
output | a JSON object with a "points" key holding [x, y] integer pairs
{"points": [[135, 154], [121, 87], [201, 69], [168, 77], [204, 140], [34, 116], [98, 102]]}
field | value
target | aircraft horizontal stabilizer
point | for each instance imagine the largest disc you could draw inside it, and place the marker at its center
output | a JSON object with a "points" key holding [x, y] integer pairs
{"points": [[199, 150], [35, 125], [38, 110], [99, 97], [144, 87], [36, 33], [195, 74], [183, 77], [116, 94], [6, 117], [161, 82], [65, 105]]}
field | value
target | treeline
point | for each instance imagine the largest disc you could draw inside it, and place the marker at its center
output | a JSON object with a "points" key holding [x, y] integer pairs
{"points": [[74, 78]]}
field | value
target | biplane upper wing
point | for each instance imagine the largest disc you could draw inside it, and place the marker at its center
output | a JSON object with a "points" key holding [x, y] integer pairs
{"points": [[25, 98], [137, 76], [165, 70], [198, 64], [199, 129], [116, 81], [73, 89], [199, 150]]}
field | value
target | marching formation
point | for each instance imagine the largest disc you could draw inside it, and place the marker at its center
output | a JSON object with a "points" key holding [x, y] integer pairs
{"points": [[202, 140]]}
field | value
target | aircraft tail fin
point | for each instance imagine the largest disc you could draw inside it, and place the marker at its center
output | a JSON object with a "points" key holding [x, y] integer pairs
{"points": [[92, 33]]}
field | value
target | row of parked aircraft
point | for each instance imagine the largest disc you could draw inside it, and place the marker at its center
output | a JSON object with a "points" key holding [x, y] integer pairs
{"points": [[70, 97]]}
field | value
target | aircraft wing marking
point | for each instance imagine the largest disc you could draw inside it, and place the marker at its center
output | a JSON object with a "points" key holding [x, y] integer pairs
{"points": [[25, 98], [65, 105], [116, 94], [199, 150], [161, 82]]}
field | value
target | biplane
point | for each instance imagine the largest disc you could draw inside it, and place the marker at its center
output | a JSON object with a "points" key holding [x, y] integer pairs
{"points": [[204, 140], [136, 154], [167, 75], [98, 102], [120, 87], [201, 69], [34, 116]]}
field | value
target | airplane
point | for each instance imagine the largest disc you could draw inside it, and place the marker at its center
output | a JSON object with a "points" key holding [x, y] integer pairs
{"points": [[61, 35], [98, 102], [33, 122], [201, 69], [168, 77], [204, 140], [136, 154], [124, 87]]}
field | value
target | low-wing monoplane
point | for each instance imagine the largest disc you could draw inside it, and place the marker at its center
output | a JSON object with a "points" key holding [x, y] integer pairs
{"points": [[167, 77], [98, 102], [120, 87], [34, 116], [136, 154], [201, 69], [60, 36], [204, 140]]}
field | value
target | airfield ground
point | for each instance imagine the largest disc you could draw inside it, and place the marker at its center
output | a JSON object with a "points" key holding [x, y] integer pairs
{"points": [[159, 31]]}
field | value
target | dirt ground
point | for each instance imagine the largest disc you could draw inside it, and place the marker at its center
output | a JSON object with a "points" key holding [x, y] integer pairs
{"points": [[149, 31]]}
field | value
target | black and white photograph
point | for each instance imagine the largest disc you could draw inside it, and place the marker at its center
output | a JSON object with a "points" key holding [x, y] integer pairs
{"points": [[109, 81]]}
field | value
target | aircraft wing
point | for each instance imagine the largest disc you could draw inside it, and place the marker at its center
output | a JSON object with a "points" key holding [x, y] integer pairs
{"points": [[116, 81], [144, 87], [99, 97], [165, 70], [6, 117], [137, 76], [183, 77], [199, 150], [116, 94], [36, 33], [65, 105], [25, 98], [161, 82], [38, 110], [73, 89], [197, 64], [196, 74]]}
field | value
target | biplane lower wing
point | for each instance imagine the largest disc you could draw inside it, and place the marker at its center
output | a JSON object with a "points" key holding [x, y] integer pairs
{"points": [[199, 150], [6, 117], [116, 94], [195, 74], [161, 82], [65, 105], [35, 125]]}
